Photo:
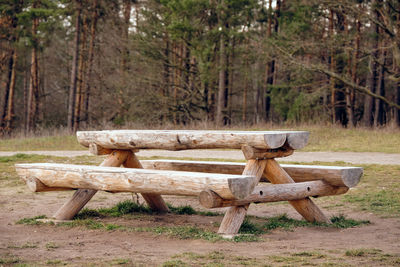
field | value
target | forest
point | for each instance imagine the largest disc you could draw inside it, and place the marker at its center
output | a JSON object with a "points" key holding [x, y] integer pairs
{"points": [[79, 64]]}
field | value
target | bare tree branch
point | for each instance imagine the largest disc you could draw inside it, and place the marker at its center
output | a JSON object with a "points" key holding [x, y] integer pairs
{"points": [[317, 68]]}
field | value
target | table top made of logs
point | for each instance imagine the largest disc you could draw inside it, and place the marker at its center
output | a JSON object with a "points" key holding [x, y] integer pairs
{"points": [[192, 139]]}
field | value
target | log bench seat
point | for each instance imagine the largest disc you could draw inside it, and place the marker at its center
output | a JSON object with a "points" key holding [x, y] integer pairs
{"points": [[40, 176], [334, 175]]}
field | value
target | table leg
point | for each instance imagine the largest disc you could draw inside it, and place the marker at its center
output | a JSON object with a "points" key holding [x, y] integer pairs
{"points": [[235, 215], [306, 207], [82, 196], [155, 201]]}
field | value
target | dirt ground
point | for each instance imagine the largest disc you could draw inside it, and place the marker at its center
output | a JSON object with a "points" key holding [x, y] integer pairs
{"points": [[56, 245]]}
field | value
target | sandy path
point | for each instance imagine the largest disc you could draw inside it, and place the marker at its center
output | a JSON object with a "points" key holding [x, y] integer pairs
{"points": [[350, 157]]}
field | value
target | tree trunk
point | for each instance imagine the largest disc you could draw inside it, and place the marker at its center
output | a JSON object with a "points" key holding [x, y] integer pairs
{"points": [[33, 93], [80, 81], [257, 93], [397, 111], [221, 81], [368, 116], [332, 68], [166, 76], [86, 110], [74, 68], [349, 90], [127, 8], [356, 53], [222, 68], [380, 116], [10, 66]]}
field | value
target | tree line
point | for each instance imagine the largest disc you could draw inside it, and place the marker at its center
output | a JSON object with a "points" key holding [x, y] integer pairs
{"points": [[83, 63]]}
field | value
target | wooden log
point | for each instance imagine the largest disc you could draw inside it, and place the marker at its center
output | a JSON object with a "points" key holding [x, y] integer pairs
{"points": [[155, 201], [35, 185], [138, 180], [185, 139], [297, 139], [234, 217], [306, 207], [82, 196], [255, 153], [334, 175], [274, 193], [98, 150]]}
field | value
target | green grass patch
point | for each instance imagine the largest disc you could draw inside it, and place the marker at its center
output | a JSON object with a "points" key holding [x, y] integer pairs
{"points": [[87, 223], [183, 232], [51, 245], [121, 261], [286, 223], [10, 260], [63, 142], [22, 158], [360, 252], [129, 207], [26, 245], [331, 138], [182, 210], [55, 262], [32, 221]]}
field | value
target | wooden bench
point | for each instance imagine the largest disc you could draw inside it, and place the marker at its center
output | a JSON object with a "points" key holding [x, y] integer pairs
{"points": [[232, 185], [311, 180]]}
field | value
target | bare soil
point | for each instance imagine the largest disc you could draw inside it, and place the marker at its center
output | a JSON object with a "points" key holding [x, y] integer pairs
{"points": [[49, 244]]}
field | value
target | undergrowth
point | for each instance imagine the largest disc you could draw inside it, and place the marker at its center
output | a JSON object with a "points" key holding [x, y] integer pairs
{"points": [[286, 223], [129, 207]]}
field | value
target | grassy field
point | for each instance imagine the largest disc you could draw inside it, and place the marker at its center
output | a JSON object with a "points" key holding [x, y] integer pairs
{"points": [[322, 138]]}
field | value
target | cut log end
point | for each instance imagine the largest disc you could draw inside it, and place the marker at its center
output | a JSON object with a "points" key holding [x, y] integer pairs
{"points": [[242, 187], [274, 140], [297, 140], [352, 176], [209, 199], [35, 185]]}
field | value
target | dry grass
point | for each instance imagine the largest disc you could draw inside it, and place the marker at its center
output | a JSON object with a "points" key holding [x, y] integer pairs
{"points": [[322, 138]]}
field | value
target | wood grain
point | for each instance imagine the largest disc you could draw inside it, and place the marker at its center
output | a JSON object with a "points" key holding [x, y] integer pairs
{"points": [[138, 180], [82, 196], [154, 201], [334, 175], [234, 217], [186, 139], [274, 193], [306, 207]]}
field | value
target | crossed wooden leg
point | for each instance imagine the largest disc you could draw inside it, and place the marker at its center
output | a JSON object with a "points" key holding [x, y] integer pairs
{"points": [[235, 215], [82, 196], [306, 207]]}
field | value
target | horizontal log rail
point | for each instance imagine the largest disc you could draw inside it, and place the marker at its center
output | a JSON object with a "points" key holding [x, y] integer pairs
{"points": [[274, 193]]}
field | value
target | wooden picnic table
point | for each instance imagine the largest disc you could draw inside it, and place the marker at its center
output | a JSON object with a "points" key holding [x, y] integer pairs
{"points": [[217, 184]]}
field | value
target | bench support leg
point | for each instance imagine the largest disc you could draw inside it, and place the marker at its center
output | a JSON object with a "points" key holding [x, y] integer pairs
{"points": [[155, 201], [306, 207], [234, 217], [82, 196]]}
